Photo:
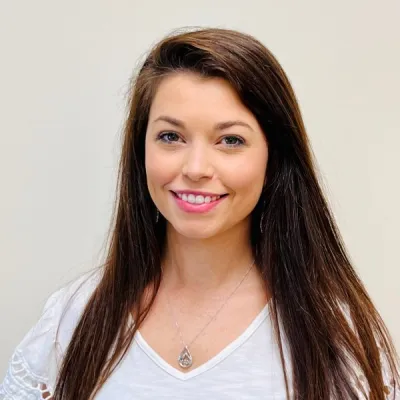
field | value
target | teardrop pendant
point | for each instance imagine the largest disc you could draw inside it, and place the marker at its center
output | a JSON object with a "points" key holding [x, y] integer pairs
{"points": [[185, 358]]}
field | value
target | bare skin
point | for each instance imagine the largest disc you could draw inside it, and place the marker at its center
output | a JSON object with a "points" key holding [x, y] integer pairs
{"points": [[193, 314], [192, 144]]}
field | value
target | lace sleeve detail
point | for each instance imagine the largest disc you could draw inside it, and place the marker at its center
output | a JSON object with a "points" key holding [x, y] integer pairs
{"points": [[391, 389], [358, 379], [22, 384], [33, 365]]}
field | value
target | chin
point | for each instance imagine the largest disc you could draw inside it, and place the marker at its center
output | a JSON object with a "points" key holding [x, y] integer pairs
{"points": [[192, 230]]}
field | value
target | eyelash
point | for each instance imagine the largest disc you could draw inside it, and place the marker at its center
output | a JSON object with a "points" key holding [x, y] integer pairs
{"points": [[162, 135]]}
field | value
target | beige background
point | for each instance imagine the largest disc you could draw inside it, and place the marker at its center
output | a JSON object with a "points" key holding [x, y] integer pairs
{"points": [[64, 71]]}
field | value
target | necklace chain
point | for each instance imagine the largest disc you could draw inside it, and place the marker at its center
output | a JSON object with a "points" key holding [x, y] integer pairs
{"points": [[185, 352]]}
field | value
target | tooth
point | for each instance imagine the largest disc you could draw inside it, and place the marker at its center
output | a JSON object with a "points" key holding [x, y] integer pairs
{"points": [[191, 198], [184, 197], [180, 195], [207, 199], [213, 198], [199, 199]]}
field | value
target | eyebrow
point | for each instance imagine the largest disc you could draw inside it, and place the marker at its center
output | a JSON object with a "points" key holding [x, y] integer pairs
{"points": [[219, 126]]}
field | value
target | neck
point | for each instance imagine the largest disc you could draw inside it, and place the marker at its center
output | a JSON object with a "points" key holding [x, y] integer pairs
{"points": [[201, 265]]}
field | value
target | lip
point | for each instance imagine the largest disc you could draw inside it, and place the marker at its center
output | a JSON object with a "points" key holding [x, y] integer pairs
{"points": [[197, 193], [196, 208]]}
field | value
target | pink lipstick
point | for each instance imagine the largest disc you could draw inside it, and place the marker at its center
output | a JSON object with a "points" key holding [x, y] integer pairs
{"points": [[197, 202]]}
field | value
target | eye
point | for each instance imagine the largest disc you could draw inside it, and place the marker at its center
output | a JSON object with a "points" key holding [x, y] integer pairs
{"points": [[168, 137], [233, 141]]}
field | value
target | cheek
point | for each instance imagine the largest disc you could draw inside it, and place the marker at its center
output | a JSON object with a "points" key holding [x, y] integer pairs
{"points": [[249, 174], [247, 182], [158, 170]]}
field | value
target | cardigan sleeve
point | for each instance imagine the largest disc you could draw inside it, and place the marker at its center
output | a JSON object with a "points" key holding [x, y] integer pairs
{"points": [[35, 363], [391, 388], [33, 366]]}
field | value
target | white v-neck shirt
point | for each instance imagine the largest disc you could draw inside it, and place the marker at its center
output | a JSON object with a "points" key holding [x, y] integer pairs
{"points": [[249, 368]]}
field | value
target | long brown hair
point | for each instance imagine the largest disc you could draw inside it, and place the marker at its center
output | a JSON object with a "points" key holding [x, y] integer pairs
{"points": [[299, 249]]}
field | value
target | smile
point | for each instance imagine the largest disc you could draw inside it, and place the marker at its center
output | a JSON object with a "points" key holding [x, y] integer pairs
{"points": [[197, 199], [197, 203]]}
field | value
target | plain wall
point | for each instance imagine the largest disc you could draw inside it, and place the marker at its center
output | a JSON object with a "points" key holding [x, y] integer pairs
{"points": [[65, 68]]}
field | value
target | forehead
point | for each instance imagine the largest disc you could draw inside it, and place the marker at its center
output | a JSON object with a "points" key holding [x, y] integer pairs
{"points": [[187, 95]]}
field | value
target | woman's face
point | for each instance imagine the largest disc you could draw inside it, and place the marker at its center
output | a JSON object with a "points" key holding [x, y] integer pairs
{"points": [[206, 156]]}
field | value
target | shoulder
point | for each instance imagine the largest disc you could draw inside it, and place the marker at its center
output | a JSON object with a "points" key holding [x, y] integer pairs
{"points": [[36, 360], [63, 309], [65, 306]]}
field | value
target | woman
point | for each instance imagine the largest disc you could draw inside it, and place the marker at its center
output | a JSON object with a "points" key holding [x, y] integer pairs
{"points": [[226, 276]]}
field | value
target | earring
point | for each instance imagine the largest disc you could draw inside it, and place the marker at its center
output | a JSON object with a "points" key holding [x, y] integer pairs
{"points": [[157, 216], [262, 217], [261, 223]]}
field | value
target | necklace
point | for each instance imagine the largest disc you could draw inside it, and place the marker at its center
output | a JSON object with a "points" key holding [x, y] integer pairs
{"points": [[185, 359]]}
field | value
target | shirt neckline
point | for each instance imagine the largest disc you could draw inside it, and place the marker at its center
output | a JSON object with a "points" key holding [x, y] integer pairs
{"points": [[223, 354]]}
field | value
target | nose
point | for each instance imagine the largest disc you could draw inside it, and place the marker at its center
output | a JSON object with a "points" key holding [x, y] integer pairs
{"points": [[197, 163]]}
